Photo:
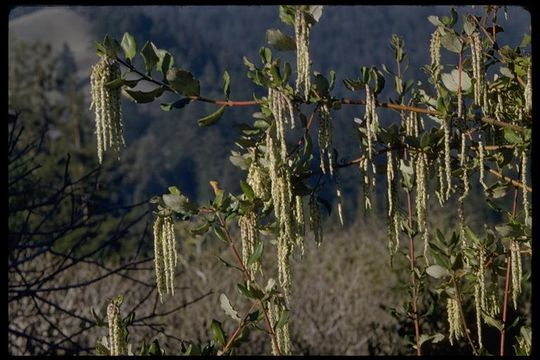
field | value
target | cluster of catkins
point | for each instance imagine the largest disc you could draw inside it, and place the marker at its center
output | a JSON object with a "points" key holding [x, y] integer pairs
{"points": [[165, 257], [107, 107]]}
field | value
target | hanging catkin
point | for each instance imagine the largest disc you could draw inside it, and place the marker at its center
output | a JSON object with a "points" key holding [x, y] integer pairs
{"points": [[477, 67], [421, 198], [525, 197], [528, 90], [435, 52], [447, 167], [115, 338], [165, 257], [281, 188], [325, 140], [106, 105], [303, 62], [515, 257], [249, 234], [454, 320]]}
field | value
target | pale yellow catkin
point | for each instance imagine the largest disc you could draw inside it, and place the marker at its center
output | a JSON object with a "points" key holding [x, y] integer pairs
{"points": [[528, 90], [282, 334], [300, 217], [250, 237], [393, 219], [481, 164], [525, 197], [435, 53], [281, 188], [515, 256], [477, 67], [303, 62], [159, 262], [115, 338], [421, 198], [165, 256], [440, 192], [107, 106], [339, 197], [454, 320], [447, 166], [325, 140]]}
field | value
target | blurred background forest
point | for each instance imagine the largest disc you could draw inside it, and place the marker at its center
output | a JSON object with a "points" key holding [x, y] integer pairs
{"points": [[79, 232]]}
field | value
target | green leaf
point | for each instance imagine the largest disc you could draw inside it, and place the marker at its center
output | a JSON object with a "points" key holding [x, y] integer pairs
{"points": [[316, 12], [254, 292], [227, 307], [217, 332], [221, 234], [352, 85], [101, 349], [257, 253], [203, 229], [247, 190], [129, 46], [115, 84], [111, 46], [212, 118], [279, 40], [248, 63], [437, 271], [468, 26], [452, 42], [149, 56], [326, 204], [332, 80], [183, 82], [177, 104], [283, 319], [511, 136], [451, 80], [492, 321], [155, 349], [179, 203], [141, 97], [525, 41], [435, 20], [472, 236], [99, 321], [286, 14], [286, 72], [239, 161], [379, 81], [226, 84], [165, 62]]}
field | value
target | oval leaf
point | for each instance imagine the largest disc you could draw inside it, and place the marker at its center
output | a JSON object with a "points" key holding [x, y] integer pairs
{"points": [[279, 40], [257, 253], [227, 307], [212, 118], [129, 46], [437, 271], [183, 82]]}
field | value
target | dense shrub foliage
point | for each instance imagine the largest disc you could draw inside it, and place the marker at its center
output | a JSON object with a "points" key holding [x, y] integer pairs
{"points": [[468, 127]]}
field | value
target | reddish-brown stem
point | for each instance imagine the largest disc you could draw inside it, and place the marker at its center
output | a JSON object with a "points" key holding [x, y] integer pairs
{"points": [[507, 281], [248, 278], [238, 329], [462, 315], [412, 262], [501, 176], [231, 103]]}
